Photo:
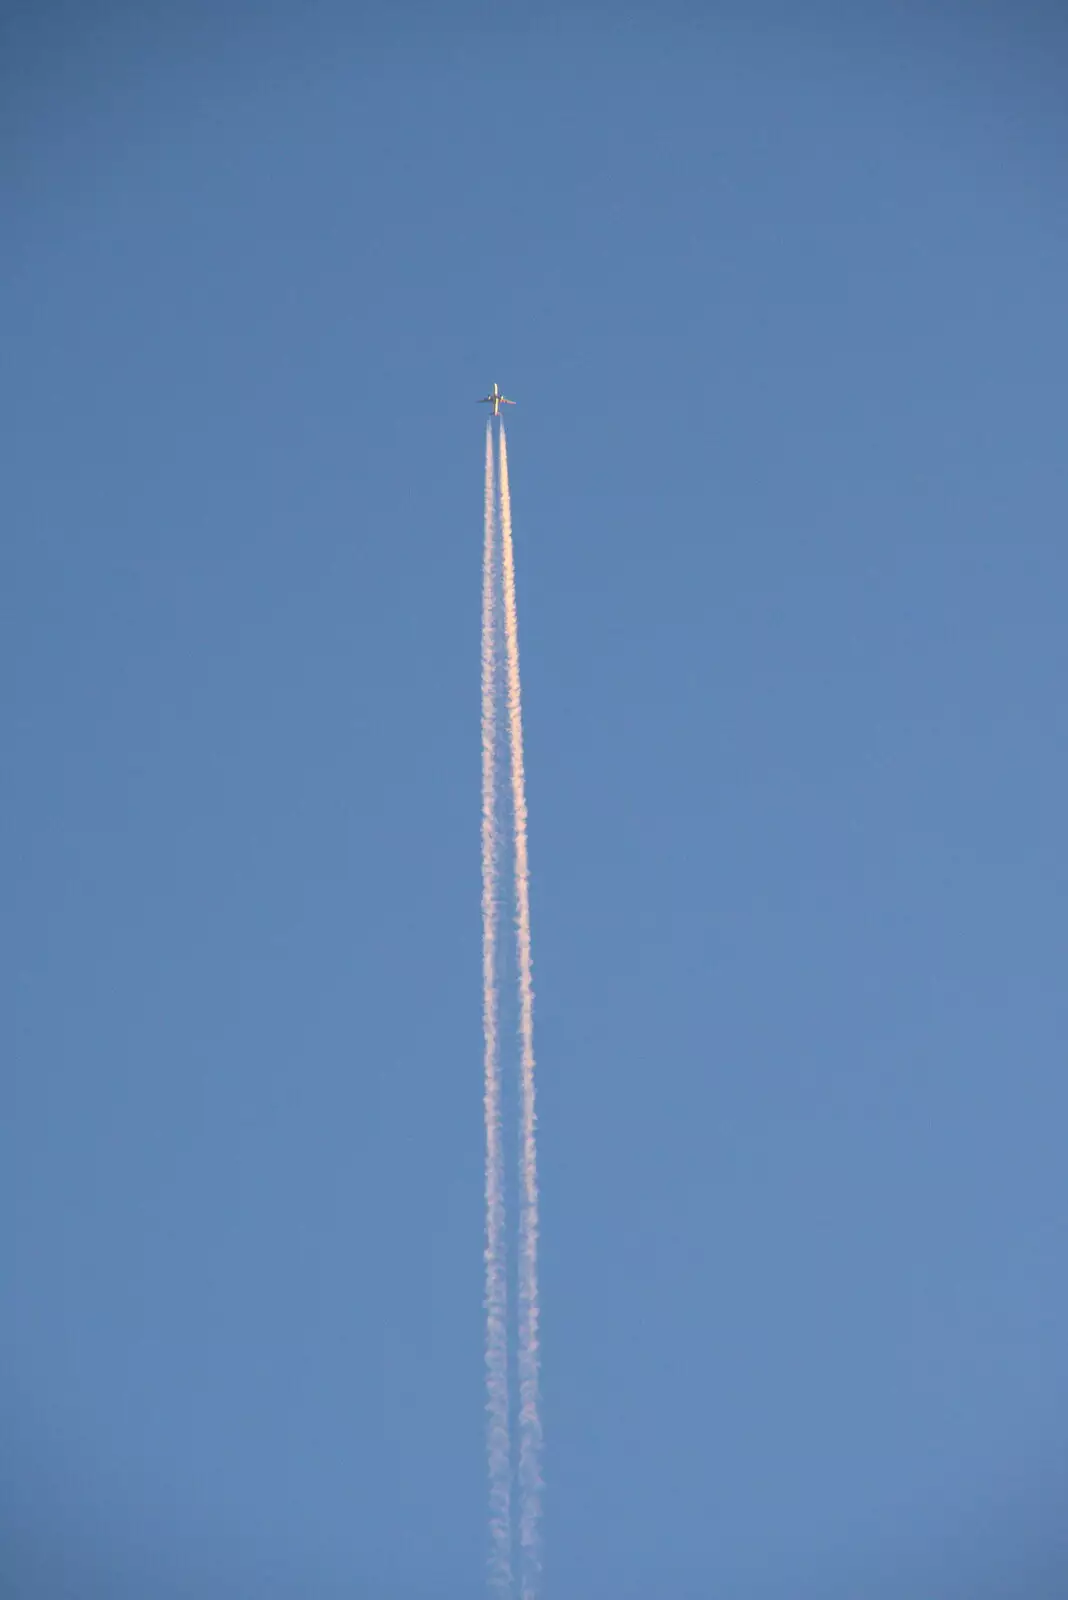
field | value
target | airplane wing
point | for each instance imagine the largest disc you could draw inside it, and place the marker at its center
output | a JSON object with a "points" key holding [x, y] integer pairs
{"points": [[505, 402]]}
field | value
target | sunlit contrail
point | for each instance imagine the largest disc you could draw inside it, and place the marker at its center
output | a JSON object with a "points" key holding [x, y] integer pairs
{"points": [[530, 1483], [496, 1287]]}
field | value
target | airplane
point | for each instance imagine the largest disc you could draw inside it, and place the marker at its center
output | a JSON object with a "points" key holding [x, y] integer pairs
{"points": [[496, 399]]}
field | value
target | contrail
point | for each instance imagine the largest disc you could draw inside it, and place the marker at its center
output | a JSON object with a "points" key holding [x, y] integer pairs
{"points": [[496, 1287], [530, 1483]]}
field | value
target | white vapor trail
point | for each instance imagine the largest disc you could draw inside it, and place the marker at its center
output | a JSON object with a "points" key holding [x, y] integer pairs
{"points": [[496, 1283], [530, 1432]]}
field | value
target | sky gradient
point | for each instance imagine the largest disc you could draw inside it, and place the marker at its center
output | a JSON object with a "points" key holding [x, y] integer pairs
{"points": [[782, 304]]}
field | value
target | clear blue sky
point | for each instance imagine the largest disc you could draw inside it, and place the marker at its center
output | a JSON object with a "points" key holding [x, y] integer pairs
{"points": [[781, 294]]}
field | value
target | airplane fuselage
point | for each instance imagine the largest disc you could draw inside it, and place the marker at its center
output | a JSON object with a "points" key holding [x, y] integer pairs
{"points": [[496, 399]]}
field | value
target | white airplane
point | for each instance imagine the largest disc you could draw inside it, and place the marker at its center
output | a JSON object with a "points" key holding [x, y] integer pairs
{"points": [[496, 399]]}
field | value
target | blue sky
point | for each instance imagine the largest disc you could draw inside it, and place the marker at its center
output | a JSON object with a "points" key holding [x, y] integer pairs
{"points": [[782, 302]]}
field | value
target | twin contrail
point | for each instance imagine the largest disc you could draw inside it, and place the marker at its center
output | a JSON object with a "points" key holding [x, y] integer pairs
{"points": [[499, 601], [498, 1442]]}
